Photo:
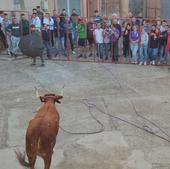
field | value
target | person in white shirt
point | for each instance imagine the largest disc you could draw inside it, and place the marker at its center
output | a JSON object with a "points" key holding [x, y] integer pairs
{"points": [[1, 16], [49, 21], [99, 39], [36, 21]]}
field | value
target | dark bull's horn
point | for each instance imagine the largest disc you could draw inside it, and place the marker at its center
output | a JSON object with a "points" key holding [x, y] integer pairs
{"points": [[37, 94]]}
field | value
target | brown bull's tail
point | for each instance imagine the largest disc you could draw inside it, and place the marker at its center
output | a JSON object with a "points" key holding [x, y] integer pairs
{"points": [[21, 158]]}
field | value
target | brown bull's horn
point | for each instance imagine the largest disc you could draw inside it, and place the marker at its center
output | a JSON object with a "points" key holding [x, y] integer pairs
{"points": [[62, 91], [37, 94]]}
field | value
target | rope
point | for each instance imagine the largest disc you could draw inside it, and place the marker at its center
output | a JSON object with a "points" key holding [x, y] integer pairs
{"points": [[134, 107], [125, 121], [102, 129]]}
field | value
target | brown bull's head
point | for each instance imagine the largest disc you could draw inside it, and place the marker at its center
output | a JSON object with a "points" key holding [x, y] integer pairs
{"points": [[51, 96]]}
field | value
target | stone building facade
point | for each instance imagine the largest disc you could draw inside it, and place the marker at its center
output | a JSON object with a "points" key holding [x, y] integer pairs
{"points": [[84, 7]]}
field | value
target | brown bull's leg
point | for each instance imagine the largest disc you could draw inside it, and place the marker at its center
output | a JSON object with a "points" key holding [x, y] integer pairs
{"points": [[47, 161], [32, 160]]}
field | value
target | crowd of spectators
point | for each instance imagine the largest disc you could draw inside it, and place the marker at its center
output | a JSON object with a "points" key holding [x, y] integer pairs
{"points": [[139, 41]]}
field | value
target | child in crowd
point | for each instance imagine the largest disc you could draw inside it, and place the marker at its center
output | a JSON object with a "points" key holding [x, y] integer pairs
{"points": [[98, 38], [82, 32]]}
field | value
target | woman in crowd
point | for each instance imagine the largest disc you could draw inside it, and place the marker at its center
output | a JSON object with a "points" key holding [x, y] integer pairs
{"points": [[134, 44], [154, 44], [126, 41]]}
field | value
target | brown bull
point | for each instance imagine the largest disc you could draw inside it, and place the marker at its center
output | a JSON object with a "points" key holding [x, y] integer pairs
{"points": [[41, 132]]}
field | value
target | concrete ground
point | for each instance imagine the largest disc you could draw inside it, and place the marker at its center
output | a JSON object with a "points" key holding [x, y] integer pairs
{"points": [[125, 109]]}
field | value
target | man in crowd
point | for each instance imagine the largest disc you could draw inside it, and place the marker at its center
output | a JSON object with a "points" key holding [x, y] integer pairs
{"points": [[14, 30], [34, 33], [46, 39], [74, 19], [36, 21], [40, 14], [6, 22], [24, 24]]}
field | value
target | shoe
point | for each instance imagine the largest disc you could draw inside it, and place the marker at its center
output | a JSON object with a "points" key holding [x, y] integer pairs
{"points": [[90, 54], [145, 63], [49, 57], [33, 64], [15, 56], [153, 62], [159, 63], [141, 63], [11, 54], [79, 56], [8, 52], [56, 54], [42, 64], [73, 52]]}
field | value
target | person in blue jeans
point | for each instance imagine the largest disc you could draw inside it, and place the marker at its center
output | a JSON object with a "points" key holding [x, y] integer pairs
{"points": [[144, 47], [134, 40], [99, 39]]}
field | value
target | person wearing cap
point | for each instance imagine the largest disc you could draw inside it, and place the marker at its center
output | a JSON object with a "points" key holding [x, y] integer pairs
{"points": [[24, 24]]}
